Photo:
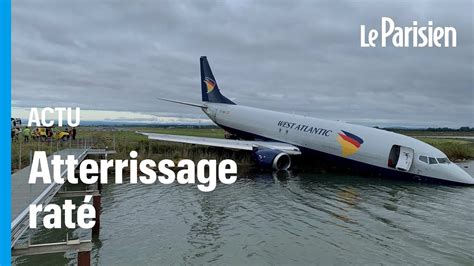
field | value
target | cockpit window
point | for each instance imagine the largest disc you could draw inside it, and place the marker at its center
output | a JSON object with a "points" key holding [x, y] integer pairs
{"points": [[442, 160], [432, 160], [423, 158]]}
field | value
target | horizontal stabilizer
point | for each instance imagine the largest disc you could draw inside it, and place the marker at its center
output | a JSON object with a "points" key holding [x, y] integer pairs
{"points": [[185, 103], [226, 143]]}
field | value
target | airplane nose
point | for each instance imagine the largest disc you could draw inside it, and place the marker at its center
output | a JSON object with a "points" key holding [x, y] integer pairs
{"points": [[459, 175]]}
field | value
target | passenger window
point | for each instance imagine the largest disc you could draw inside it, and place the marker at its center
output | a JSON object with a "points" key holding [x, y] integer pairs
{"points": [[432, 160], [442, 160], [423, 159]]}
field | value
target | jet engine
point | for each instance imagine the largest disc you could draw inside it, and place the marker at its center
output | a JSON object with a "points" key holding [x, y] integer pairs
{"points": [[269, 158]]}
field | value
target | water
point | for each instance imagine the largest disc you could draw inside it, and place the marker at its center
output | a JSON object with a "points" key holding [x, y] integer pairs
{"points": [[306, 218]]}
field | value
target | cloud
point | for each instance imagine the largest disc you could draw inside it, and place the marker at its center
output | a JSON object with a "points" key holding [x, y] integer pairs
{"points": [[292, 56]]}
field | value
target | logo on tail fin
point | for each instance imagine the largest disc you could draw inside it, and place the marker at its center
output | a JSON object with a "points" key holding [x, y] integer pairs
{"points": [[350, 143], [210, 84]]}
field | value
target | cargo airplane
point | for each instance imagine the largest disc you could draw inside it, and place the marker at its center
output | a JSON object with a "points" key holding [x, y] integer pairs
{"points": [[273, 137]]}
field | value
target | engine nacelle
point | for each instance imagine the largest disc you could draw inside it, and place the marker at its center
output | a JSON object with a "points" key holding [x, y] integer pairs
{"points": [[275, 159]]}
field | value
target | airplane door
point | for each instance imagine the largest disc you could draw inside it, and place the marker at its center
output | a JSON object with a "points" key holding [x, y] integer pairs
{"points": [[405, 159]]}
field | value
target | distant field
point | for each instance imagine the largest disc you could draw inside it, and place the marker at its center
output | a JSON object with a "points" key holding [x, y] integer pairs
{"points": [[123, 140], [198, 132], [456, 149], [415, 133]]}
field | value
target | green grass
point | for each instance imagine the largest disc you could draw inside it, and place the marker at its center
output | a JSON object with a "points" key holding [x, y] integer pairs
{"points": [[124, 140], [416, 133], [455, 149]]}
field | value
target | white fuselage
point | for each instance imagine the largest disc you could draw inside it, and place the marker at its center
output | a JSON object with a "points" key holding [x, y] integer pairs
{"points": [[324, 136]]}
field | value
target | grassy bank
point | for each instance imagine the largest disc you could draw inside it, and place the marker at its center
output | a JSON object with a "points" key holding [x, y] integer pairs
{"points": [[455, 149], [127, 140], [124, 140]]}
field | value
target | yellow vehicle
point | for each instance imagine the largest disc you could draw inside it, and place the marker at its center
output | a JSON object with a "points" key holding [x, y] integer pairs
{"points": [[44, 133]]}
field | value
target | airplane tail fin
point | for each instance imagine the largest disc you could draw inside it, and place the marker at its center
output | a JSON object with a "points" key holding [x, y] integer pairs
{"points": [[209, 88]]}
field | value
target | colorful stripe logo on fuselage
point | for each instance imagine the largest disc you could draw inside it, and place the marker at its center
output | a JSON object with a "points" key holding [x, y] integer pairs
{"points": [[350, 143], [210, 84]]}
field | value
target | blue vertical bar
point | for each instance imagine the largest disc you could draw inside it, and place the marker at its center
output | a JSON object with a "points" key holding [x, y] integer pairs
{"points": [[5, 142]]}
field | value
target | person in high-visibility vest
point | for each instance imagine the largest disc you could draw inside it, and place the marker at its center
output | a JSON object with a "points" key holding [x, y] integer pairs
{"points": [[26, 134]]}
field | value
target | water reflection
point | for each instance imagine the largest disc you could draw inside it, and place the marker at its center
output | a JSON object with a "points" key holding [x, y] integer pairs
{"points": [[283, 218], [204, 233]]}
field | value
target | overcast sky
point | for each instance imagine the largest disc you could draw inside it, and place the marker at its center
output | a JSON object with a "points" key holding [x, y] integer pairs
{"points": [[293, 56]]}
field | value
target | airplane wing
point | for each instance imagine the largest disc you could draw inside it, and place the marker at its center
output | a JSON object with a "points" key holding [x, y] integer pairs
{"points": [[226, 143]]}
